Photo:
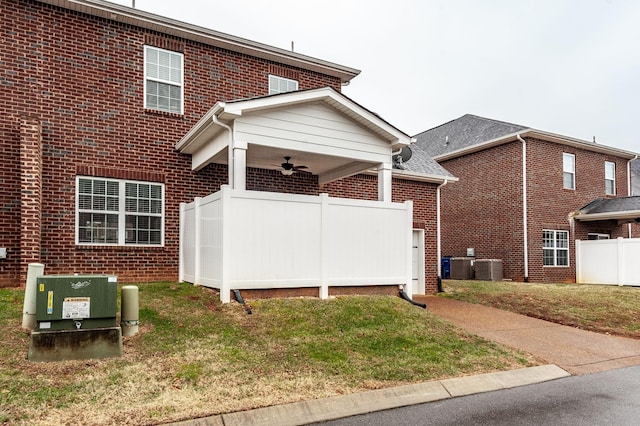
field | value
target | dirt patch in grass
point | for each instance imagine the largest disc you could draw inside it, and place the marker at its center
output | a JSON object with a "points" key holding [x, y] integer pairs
{"points": [[600, 308], [195, 357]]}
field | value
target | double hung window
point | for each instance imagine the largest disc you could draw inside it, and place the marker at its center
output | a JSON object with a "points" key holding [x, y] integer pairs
{"points": [[281, 85], [119, 212], [568, 171], [609, 178], [555, 248], [163, 80]]}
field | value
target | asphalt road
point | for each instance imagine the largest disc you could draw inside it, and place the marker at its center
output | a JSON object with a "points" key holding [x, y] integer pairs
{"points": [[607, 398]]}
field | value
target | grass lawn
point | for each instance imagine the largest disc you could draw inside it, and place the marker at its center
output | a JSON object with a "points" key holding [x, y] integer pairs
{"points": [[600, 308], [196, 357]]}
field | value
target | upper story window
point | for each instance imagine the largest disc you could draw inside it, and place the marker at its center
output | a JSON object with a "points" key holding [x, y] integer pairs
{"points": [[610, 178], [555, 248], [568, 171], [119, 212], [163, 80], [281, 85]]}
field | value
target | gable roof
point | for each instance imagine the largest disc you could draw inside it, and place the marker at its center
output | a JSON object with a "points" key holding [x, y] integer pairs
{"points": [[624, 209], [153, 22], [463, 132], [471, 133], [229, 111]]}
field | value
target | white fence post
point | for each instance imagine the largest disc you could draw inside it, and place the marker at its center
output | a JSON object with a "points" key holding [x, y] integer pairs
{"points": [[227, 224], [620, 265], [181, 243], [578, 262], [197, 232], [324, 246]]}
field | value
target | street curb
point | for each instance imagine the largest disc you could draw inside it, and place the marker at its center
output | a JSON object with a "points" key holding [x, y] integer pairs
{"points": [[337, 407]]}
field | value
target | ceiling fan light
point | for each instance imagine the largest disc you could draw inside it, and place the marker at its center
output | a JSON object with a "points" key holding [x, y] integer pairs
{"points": [[286, 172]]}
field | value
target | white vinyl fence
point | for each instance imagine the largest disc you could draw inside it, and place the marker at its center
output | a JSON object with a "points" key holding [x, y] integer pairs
{"points": [[258, 240], [608, 261]]}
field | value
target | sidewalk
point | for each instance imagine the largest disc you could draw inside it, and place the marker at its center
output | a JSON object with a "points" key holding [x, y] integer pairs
{"points": [[574, 350]]}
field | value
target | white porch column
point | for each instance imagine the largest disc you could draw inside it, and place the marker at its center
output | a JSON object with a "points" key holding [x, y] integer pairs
{"points": [[384, 182], [239, 168]]}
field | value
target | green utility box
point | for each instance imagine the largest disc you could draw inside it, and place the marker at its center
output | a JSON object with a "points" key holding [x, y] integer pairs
{"points": [[76, 302]]}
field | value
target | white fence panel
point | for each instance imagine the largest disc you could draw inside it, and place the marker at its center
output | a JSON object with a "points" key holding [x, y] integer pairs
{"points": [[608, 261], [275, 243], [364, 244], [209, 264], [257, 240]]}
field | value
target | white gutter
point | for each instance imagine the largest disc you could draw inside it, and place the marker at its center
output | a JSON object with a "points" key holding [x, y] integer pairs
{"points": [[231, 165], [438, 229], [629, 191], [524, 208]]}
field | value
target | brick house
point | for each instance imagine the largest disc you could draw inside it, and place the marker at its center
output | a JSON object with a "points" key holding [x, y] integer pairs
{"points": [[526, 195], [102, 103]]}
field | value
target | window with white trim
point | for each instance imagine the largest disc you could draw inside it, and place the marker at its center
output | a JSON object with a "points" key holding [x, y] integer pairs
{"points": [[281, 85], [555, 248], [568, 171], [598, 236], [163, 80], [609, 178], [119, 212]]}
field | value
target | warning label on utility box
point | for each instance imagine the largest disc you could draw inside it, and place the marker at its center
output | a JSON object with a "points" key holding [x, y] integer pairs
{"points": [[76, 307]]}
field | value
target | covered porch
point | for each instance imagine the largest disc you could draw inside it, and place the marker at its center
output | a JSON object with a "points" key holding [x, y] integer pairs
{"points": [[241, 239]]}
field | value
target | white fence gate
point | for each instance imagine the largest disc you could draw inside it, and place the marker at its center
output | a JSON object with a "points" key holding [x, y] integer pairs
{"points": [[258, 240], [608, 261]]}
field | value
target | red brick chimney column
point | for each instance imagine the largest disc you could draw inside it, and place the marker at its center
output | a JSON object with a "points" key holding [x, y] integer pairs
{"points": [[30, 192]]}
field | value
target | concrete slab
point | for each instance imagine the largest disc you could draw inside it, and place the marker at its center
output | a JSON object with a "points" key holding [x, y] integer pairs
{"points": [[62, 345], [461, 386]]}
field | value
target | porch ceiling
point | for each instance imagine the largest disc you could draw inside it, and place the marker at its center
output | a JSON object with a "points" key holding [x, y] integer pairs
{"points": [[270, 158], [321, 129]]}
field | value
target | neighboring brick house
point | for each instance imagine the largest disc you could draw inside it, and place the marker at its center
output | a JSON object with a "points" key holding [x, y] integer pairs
{"points": [[96, 97], [520, 195]]}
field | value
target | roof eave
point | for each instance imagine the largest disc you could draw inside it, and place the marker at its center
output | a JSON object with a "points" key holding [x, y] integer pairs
{"points": [[538, 134], [625, 215], [422, 177], [196, 33]]}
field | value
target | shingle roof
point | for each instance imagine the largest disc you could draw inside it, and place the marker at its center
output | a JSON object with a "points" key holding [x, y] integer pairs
{"points": [[421, 162], [461, 133], [612, 205]]}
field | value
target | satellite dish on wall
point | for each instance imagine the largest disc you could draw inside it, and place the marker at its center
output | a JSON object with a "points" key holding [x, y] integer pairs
{"points": [[403, 157]]}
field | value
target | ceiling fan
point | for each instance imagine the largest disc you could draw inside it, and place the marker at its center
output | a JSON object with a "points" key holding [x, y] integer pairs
{"points": [[288, 168]]}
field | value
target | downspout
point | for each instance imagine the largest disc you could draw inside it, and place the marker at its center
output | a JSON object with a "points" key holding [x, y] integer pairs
{"points": [[524, 208], [439, 236], [629, 191], [231, 159]]}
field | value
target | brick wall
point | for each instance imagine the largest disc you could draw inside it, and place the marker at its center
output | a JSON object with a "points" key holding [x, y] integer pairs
{"points": [[484, 209], [82, 78]]}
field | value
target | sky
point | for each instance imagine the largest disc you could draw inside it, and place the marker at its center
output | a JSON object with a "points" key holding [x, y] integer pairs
{"points": [[570, 67]]}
